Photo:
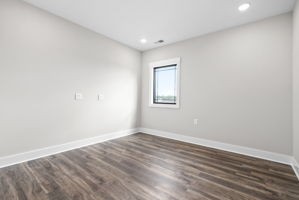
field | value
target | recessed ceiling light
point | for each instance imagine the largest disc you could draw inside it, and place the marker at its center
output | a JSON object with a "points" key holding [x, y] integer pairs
{"points": [[243, 7], [143, 41]]}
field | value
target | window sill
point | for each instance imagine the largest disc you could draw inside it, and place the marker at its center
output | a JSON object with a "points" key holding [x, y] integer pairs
{"points": [[164, 106]]}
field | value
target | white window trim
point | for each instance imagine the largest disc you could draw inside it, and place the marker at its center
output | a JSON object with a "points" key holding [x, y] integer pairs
{"points": [[173, 61]]}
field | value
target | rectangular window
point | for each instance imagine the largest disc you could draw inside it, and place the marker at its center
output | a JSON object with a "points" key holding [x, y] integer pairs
{"points": [[165, 83]]}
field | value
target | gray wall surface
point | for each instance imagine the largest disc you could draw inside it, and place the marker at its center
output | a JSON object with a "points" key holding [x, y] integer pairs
{"points": [[44, 60], [296, 82], [237, 82]]}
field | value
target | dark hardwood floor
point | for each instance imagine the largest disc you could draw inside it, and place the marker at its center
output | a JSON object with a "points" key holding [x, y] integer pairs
{"points": [[146, 167]]}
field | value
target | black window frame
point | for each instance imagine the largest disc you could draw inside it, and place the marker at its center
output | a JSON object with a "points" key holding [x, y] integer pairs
{"points": [[154, 85]]}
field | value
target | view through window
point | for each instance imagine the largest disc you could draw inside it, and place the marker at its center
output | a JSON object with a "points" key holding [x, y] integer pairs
{"points": [[165, 83]]}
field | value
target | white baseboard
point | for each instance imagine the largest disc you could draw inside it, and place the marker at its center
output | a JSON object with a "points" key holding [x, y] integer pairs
{"points": [[295, 166], [276, 157], [39, 153]]}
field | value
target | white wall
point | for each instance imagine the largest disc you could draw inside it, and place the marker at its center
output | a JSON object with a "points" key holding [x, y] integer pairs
{"points": [[236, 82], [44, 60], [296, 82]]}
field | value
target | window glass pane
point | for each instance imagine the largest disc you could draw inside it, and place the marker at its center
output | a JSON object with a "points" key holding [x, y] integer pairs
{"points": [[165, 85]]}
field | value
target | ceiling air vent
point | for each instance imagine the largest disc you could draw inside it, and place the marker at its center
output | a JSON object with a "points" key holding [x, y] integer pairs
{"points": [[159, 42]]}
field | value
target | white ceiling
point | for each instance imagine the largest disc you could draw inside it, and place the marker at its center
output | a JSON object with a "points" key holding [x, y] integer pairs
{"points": [[127, 21]]}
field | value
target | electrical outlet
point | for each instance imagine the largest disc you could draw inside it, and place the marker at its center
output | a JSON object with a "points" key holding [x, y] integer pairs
{"points": [[78, 96], [195, 122], [101, 97]]}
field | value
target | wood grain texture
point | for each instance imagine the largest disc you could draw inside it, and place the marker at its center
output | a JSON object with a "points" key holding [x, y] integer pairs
{"points": [[144, 167]]}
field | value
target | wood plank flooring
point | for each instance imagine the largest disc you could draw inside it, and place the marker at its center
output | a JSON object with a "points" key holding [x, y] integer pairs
{"points": [[144, 167]]}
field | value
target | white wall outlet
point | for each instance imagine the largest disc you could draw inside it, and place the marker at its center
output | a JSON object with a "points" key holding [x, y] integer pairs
{"points": [[195, 122], [101, 97], [78, 96]]}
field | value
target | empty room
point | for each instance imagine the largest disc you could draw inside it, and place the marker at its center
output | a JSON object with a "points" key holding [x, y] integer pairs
{"points": [[149, 100]]}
